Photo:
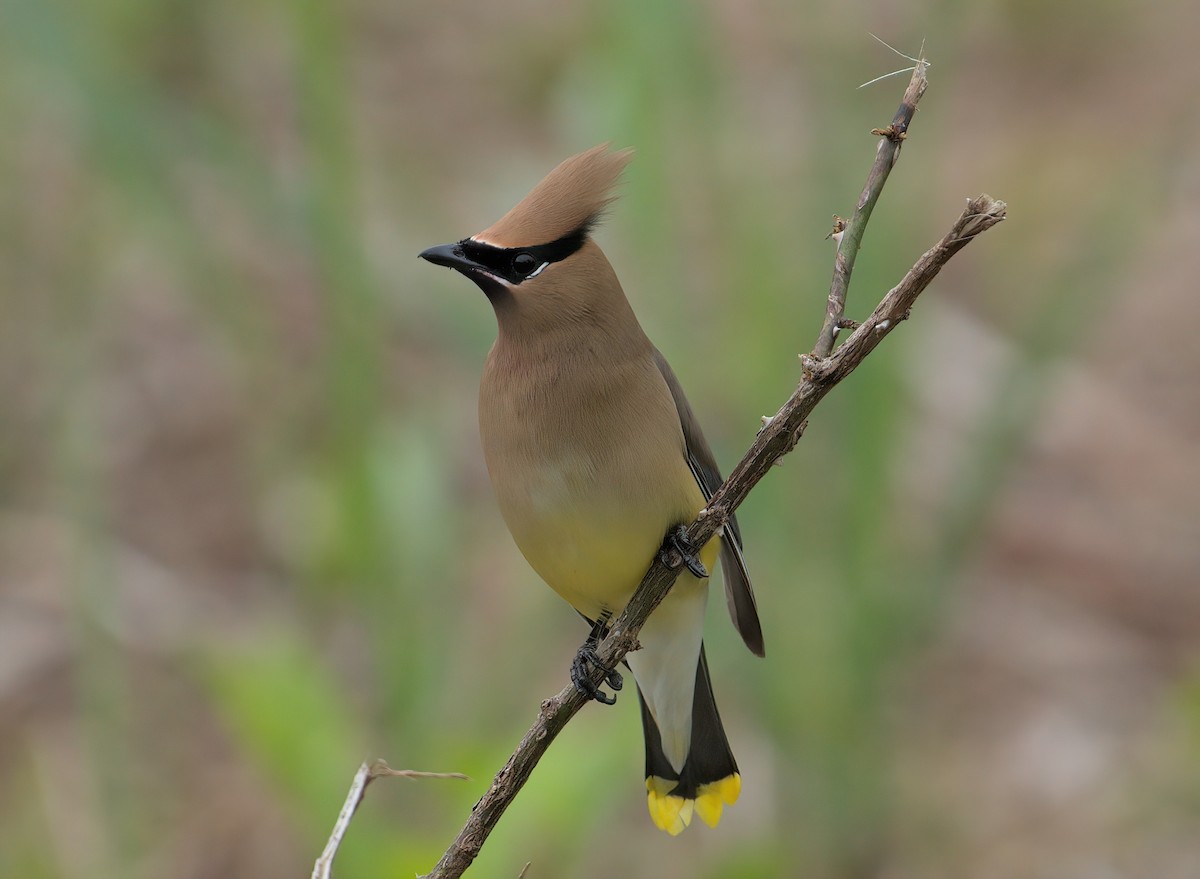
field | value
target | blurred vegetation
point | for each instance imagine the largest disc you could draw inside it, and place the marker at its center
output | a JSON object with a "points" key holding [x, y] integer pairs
{"points": [[246, 540]]}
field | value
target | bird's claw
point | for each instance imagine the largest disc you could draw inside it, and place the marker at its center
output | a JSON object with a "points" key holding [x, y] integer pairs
{"points": [[677, 540], [581, 674]]}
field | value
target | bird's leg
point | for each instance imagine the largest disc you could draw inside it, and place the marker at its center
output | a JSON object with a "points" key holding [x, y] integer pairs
{"points": [[677, 540], [587, 658]]}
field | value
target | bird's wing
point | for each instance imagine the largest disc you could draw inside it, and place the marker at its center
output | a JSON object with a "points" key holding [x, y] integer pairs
{"points": [[738, 593]]}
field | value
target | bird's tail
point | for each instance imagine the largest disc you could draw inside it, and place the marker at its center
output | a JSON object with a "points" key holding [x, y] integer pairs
{"points": [[709, 779]]}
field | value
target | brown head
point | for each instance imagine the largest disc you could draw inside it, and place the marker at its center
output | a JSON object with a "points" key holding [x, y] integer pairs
{"points": [[538, 264]]}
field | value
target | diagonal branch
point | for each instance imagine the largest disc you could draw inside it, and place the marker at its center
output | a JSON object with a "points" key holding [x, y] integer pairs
{"points": [[822, 370]]}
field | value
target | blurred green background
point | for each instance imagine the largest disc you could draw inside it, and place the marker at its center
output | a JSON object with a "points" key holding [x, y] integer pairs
{"points": [[246, 538]]}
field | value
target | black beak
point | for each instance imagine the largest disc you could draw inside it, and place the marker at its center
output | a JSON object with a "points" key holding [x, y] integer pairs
{"points": [[454, 256], [450, 255]]}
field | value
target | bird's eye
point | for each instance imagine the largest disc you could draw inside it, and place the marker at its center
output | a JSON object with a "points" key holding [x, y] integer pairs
{"points": [[524, 264]]}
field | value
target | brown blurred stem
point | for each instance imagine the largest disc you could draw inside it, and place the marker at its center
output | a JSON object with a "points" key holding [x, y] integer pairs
{"points": [[779, 435]]}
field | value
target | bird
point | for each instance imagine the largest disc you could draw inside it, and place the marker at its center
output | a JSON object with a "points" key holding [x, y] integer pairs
{"points": [[597, 462]]}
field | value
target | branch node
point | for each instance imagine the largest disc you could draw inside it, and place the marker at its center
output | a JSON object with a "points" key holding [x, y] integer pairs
{"points": [[800, 428], [896, 133], [790, 441], [623, 641], [794, 437], [816, 369], [839, 226]]}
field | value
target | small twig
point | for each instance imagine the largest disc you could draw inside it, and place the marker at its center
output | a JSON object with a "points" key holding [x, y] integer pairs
{"points": [[380, 769], [848, 243], [920, 59], [358, 789], [920, 55]]}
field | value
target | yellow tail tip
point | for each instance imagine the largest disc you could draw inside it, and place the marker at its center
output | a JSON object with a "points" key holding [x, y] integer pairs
{"points": [[673, 813], [669, 813]]}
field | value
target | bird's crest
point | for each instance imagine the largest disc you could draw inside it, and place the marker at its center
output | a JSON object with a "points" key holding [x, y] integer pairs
{"points": [[569, 198]]}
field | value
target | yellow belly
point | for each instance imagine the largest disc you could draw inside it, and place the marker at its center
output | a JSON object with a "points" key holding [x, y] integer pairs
{"points": [[592, 541]]}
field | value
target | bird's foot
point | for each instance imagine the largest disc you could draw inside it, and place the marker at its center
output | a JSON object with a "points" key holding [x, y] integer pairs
{"points": [[585, 661], [677, 540]]}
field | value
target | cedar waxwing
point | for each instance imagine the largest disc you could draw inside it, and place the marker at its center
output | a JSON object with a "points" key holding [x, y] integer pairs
{"points": [[596, 457]]}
